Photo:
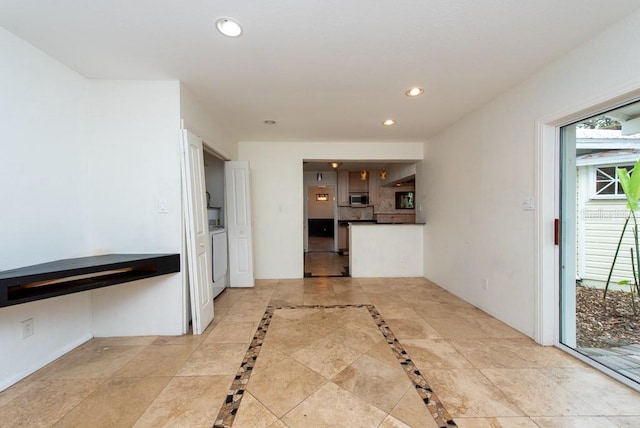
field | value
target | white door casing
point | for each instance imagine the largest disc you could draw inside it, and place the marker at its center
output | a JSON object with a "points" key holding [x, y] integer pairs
{"points": [[197, 230], [238, 215]]}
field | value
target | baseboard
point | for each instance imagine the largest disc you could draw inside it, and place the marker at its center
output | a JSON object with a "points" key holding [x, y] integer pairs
{"points": [[6, 383]]}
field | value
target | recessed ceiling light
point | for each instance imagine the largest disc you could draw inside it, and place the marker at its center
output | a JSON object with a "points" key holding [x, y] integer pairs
{"points": [[228, 27], [389, 122], [270, 122], [414, 92]]}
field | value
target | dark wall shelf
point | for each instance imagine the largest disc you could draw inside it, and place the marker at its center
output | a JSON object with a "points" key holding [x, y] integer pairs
{"points": [[86, 273]]}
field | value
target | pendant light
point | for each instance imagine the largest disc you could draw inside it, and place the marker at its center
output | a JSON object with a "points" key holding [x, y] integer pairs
{"points": [[319, 176], [363, 175], [383, 174]]}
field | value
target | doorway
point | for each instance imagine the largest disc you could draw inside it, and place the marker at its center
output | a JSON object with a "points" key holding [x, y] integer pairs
{"points": [[599, 275], [321, 257]]}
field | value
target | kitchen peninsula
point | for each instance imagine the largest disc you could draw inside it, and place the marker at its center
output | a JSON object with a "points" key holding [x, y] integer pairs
{"points": [[385, 250]]}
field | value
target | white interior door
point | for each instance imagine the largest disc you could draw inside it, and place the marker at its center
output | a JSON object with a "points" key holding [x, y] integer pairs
{"points": [[197, 230], [238, 208]]}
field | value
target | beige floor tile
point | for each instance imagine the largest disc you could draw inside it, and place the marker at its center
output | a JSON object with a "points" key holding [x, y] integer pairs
{"points": [[232, 332], [574, 422], [284, 385], [332, 406], [101, 342], [511, 353], [290, 335], [310, 299], [252, 414], [117, 402], [214, 359], [537, 394], [606, 395], [358, 337], [187, 402], [375, 382], [318, 286], [267, 357], [515, 422], [327, 356], [398, 312], [411, 329], [412, 411], [382, 352], [452, 327], [187, 339], [467, 393], [352, 298], [227, 298], [386, 299], [157, 360], [15, 391], [391, 422], [45, 402], [346, 285], [90, 361], [516, 375], [253, 314], [625, 421], [292, 300], [434, 354]]}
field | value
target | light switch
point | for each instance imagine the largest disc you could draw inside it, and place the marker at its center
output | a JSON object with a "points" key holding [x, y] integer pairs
{"points": [[162, 206], [528, 204]]}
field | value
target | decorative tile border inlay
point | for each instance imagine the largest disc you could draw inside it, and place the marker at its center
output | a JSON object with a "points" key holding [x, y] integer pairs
{"points": [[230, 407]]}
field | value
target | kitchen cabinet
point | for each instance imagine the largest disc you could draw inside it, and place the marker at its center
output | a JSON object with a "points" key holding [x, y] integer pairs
{"points": [[395, 218], [356, 185], [374, 183], [343, 188], [343, 237]]}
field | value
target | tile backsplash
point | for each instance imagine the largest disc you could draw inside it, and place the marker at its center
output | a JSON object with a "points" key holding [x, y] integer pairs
{"points": [[387, 199], [350, 213]]}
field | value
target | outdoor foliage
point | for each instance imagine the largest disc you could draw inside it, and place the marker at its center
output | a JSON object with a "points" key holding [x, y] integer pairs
{"points": [[630, 184]]}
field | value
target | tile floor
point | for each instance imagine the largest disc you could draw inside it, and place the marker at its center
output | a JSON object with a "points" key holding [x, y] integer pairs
{"points": [[320, 260], [313, 353]]}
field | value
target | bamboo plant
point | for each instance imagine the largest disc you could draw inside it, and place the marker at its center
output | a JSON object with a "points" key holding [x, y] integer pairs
{"points": [[630, 184]]}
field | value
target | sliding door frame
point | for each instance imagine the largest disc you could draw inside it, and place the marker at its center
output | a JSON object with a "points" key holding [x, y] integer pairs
{"points": [[547, 191]]}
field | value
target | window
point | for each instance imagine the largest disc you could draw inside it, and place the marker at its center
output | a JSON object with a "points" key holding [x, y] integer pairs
{"points": [[607, 184]]}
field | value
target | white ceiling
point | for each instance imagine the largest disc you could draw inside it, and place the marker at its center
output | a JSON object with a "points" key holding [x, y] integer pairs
{"points": [[325, 70]]}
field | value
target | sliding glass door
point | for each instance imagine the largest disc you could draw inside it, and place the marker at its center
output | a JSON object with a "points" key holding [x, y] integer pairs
{"points": [[599, 306]]}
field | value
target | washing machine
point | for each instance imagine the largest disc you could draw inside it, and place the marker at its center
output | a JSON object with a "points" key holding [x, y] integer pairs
{"points": [[219, 255]]}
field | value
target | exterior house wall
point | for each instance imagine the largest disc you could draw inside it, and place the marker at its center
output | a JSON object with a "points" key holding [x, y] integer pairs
{"points": [[602, 222]]}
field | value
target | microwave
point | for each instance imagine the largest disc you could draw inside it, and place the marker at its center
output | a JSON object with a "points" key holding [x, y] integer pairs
{"points": [[358, 199]]}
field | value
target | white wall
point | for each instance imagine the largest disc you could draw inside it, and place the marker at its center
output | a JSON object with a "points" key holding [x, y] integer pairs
{"points": [[214, 179], [377, 250], [44, 216], [320, 209], [135, 163], [278, 195], [478, 172], [202, 123]]}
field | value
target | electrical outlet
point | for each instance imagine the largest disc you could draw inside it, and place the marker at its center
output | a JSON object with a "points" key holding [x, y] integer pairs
{"points": [[485, 284], [27, 328]]}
